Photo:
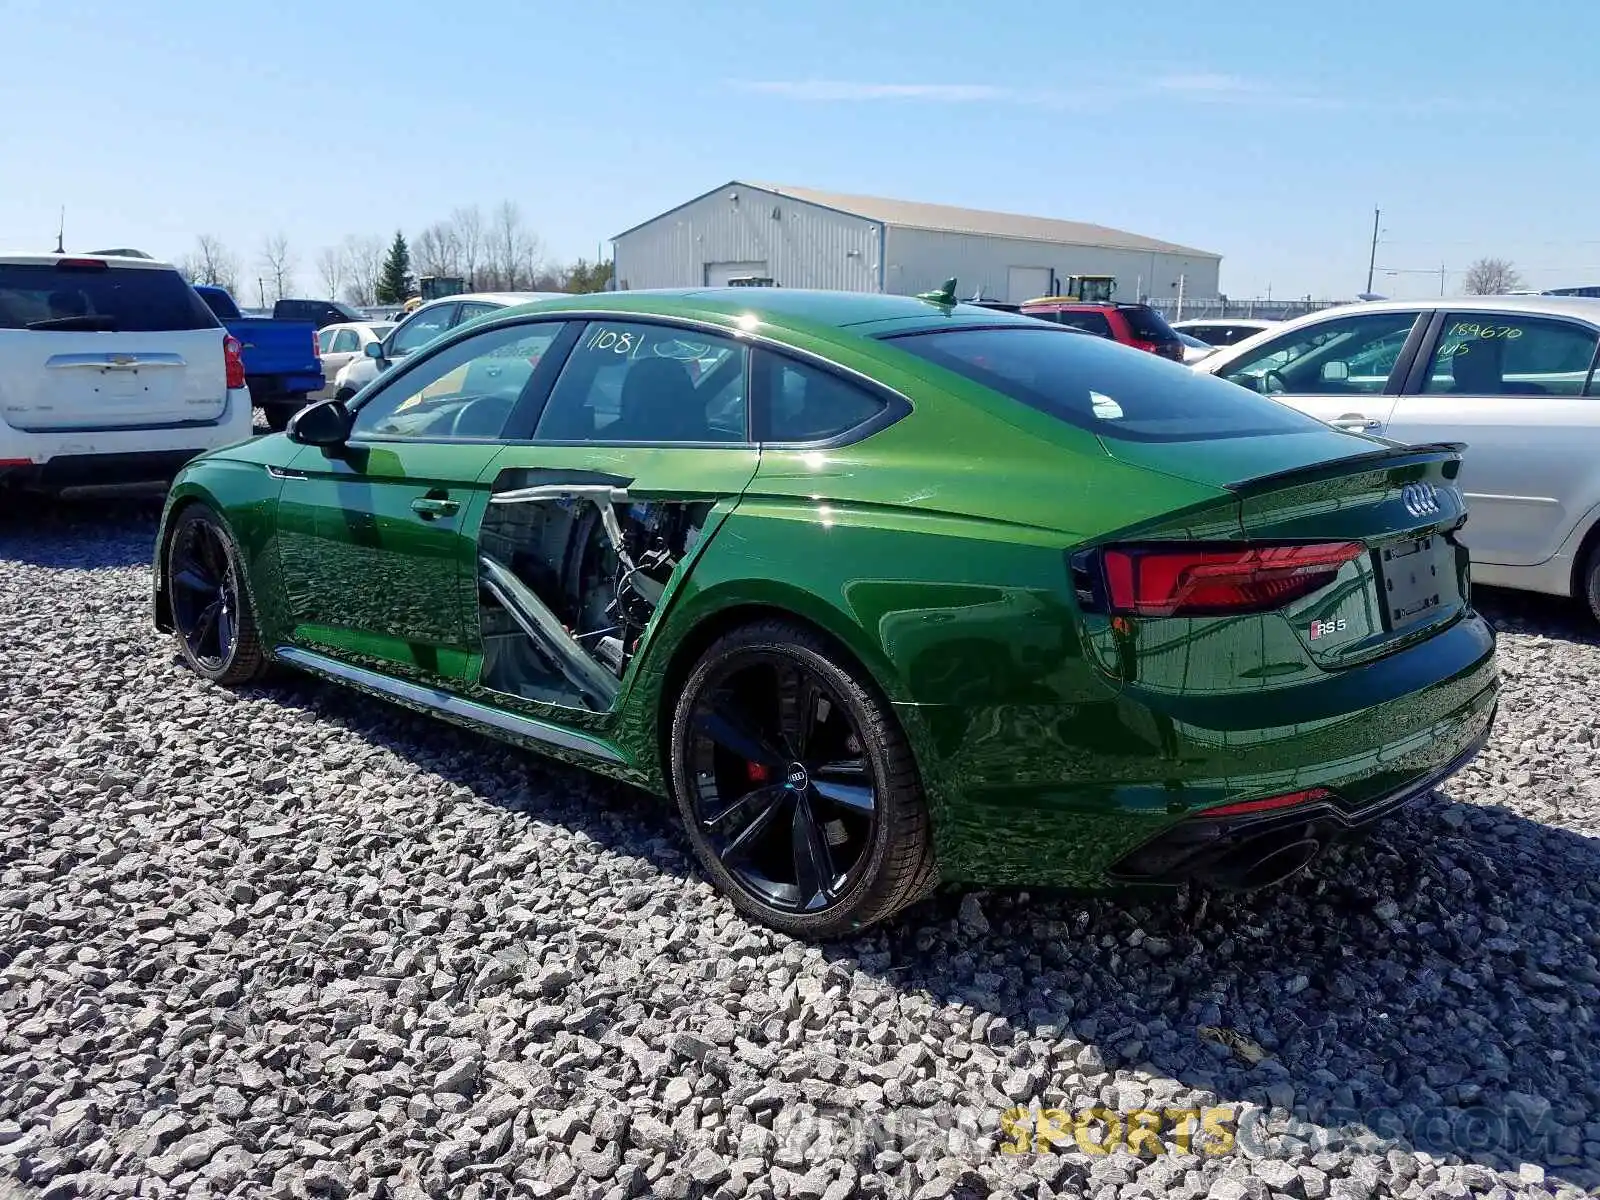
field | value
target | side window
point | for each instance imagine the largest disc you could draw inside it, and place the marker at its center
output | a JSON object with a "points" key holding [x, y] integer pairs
{"points": [[1089, 322], [469, 311], [347, 342], [1344, 356], [1508, 354], [325, 341], [422, 328], [796, 402], [468, 391], [628, 382]]}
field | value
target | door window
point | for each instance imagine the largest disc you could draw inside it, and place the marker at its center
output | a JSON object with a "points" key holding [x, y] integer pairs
{"points": [[797, 402], [1508, 354], [1342, 356], [425, 325], [469, 311], [467, 391], [648, 383], [325, 341], [346, 342]]}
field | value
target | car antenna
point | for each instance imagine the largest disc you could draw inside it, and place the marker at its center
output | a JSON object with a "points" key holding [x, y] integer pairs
{"points": [[945, 296], [61, 231]]}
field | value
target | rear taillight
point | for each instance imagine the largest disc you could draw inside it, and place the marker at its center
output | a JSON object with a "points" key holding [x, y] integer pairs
{"points": [[1172, 350], [233, 356], [1287, 800], [316, 346], [1204, 580], [82, 264]]}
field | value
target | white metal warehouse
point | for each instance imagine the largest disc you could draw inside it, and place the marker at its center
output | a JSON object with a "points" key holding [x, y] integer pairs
{"points": [[799, 237]]}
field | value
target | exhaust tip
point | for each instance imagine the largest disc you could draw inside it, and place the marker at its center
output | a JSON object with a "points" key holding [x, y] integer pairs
{"points": [[1262, 863]]}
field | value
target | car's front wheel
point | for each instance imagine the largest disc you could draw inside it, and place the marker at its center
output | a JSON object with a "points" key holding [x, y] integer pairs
{"points": [[211, 614], [797, 786]]}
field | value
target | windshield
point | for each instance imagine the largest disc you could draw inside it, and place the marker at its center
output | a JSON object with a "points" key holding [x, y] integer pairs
{"points": [[1105, 388], [1146, 323], [44, 297]]}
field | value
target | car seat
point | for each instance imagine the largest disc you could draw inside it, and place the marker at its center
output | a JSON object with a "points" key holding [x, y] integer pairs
{"points": [[659, 403]]}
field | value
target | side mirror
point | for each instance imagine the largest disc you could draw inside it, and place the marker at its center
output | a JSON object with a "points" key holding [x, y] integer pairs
{"points": [[1335, 372], [375, 350], [326, 423]]}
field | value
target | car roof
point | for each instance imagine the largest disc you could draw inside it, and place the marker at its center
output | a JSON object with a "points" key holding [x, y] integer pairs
{"points": [[364, 323], [111, 260], [783, 306], [1584, 307], [1258, 322]]}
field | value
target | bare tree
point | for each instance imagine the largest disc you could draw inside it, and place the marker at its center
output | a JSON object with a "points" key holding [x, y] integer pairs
{"points": [[1491, 277], [468, 225], [278, 265], [363, 263], [512, 254], [211, 263], [330, 269], [437, 250]]}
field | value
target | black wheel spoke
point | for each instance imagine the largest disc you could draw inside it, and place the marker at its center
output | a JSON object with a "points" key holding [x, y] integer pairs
{"points": [[813, 861], [205, 628], [799, 705], [771, 804], [755, 800], [847, 783], [193, 579], [734, 732], [224, 631]]}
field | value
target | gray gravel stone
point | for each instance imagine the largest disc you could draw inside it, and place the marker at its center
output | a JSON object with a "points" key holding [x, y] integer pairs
{"points": [[292, 942]]}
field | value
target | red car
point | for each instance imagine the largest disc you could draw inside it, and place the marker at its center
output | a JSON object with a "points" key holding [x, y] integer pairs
{"points": [[1136, 325]]}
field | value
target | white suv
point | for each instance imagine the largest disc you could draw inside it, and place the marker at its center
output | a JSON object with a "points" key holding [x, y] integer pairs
{"points": [[112, 370]]}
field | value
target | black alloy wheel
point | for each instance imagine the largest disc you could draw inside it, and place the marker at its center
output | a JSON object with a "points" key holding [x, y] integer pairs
{"points": [[210, 611], [797, 787]]}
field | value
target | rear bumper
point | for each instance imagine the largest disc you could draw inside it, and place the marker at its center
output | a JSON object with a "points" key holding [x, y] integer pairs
{"points": [[95, 457], [1253, 850]]}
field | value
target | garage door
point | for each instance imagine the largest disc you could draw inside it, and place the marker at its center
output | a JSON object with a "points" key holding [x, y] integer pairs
{"points": [[1027, 283], [718, 274]]}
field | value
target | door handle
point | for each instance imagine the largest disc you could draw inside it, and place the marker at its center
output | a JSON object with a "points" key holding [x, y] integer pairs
{"points": [[429, 507], [1355, 421]]}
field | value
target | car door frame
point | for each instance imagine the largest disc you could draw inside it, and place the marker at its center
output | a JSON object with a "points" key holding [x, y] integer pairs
{"points": [[568, 467], [1582, 510], [456, 670], [1399, 372]]}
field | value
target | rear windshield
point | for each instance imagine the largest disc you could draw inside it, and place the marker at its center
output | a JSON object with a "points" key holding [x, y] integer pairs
{"points": [[1146, 324], [43, 297], [1108, 389]]}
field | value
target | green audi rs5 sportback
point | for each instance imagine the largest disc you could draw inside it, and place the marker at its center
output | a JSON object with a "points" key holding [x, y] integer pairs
{"points": [[882, 590]]}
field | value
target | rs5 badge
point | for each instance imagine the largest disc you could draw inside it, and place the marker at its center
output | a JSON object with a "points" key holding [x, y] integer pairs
{"points": [[1322, 629]]}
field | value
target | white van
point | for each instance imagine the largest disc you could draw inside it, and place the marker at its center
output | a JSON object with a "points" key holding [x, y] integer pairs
{"points": [[112, 370]]}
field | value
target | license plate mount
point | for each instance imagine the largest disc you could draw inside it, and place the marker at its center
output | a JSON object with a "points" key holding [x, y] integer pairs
{"points": [[1414, 581]]}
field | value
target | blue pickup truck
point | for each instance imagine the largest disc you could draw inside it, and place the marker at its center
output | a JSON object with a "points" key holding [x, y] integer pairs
{"points": [[282, 365]]}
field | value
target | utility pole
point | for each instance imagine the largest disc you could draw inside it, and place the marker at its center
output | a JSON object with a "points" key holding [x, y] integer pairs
{"points": [[1178, 315], [1441, 279], [261, 291], [1372, 260]]}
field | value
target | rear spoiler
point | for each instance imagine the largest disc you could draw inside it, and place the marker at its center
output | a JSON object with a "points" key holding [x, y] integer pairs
{"points": [[1395, 456]]}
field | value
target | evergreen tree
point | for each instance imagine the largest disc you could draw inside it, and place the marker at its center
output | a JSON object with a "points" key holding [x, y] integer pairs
{"points": [[395, 284]]}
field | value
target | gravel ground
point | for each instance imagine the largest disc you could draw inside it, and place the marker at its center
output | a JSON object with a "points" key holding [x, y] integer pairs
{"points": [[292, 942]]}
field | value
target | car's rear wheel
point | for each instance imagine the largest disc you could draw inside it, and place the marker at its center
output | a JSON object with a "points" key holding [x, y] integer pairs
{"points": [[211, 615], [1591, 581], [796, 784]]}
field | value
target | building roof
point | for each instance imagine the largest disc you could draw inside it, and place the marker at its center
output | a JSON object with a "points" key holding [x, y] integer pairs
{"points": [[945, 218]]}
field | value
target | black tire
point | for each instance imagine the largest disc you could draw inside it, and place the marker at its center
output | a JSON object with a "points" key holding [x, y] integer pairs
{"points": [[1589, 586], [278, 416], [211, 616], [877, 826]]}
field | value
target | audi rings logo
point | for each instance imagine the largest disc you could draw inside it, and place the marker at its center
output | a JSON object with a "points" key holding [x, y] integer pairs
{"points": [[1420, 499]]}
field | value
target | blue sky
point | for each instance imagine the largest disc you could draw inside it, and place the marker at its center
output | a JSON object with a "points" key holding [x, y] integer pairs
{"points": [[1266, 131]]}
